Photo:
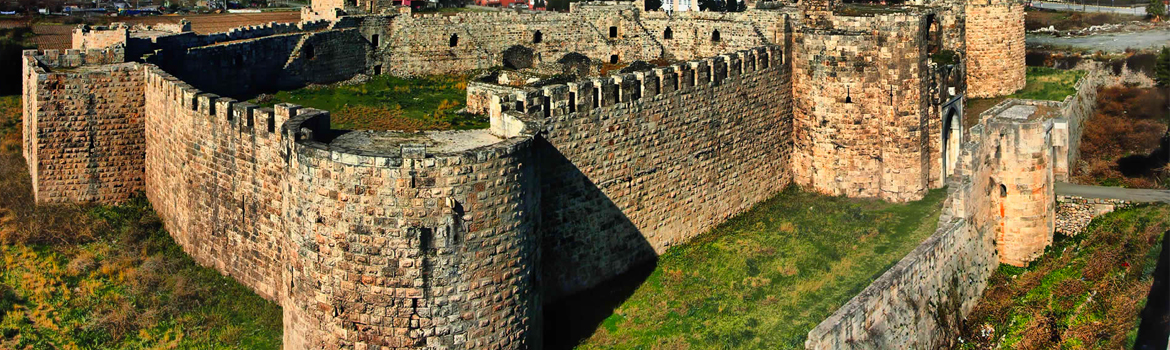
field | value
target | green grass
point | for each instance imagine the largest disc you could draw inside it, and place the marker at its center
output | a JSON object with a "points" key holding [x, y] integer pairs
{"points": [[768, 276], [390, 103], [1042, 83], [1085, 292], [109, 277], [1052, 84]]}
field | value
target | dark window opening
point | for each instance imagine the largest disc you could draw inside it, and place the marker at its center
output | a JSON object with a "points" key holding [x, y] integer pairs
{"points": [[596, 97], [1002, 190], [537, 37], [378, 69], [374, 40], [848, 98], [572, 102], [715, 36], [271, 123], [309, 52], [613, 59], [668, 34], [546, 105], [454, 40], [612, 32]]}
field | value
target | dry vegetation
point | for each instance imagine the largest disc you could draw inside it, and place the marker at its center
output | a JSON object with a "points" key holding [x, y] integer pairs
{"points": [[1086, 292], [101, 277], [52, 34], [1121, 143]]}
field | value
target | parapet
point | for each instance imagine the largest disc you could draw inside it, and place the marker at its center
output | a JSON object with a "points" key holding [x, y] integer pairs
{"points": [[587, 94], [73, 58]]}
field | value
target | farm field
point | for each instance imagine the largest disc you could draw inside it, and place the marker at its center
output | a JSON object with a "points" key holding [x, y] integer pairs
{"points": [[59, 35]]}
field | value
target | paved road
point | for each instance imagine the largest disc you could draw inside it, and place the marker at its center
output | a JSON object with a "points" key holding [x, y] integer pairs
{"points": [[1129, 194], [1139, 10]]}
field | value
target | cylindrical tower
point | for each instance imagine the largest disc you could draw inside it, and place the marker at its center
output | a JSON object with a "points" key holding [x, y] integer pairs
{"points": [[1022, 188], [408, 241], [995, 47]]}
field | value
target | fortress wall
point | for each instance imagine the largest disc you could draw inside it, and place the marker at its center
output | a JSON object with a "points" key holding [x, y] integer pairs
{"points": [[409, 248], [995, 48], [1076, 109], [329, 56], [655, 164], [237, 68], [864, 128], [420, 45], [214, 175], [83, 125], [692, 32]]}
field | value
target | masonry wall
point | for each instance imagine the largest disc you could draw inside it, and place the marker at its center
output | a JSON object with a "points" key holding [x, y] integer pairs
{"points": [[659, 158], [410, 251], [863, 118], [692, 33], [237, 68], [214, 175], [85, 37], [995, 48], [1025, 201], [83, 136]]}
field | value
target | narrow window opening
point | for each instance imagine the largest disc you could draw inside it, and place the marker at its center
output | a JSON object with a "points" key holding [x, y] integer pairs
{"points": [[271, 123], [848, 98], [668, 34], [537, 37], [572, 102], [547, 106], [1002, 190], [715, 36], [613, 59], [612, 32], [378, 69], [596, 97], [374, 40], [454, 40]]}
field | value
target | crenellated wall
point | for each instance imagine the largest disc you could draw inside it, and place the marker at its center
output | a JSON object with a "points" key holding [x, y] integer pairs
{"points": [[633, 164]]}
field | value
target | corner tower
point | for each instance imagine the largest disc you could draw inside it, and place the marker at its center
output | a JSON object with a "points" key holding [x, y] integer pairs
{"points": [[995, 47]]}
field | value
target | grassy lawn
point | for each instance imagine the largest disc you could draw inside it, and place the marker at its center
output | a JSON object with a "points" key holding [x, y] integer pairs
{"points": [[389, 103], [1086, 292], [768, 276], [1042, 83], [109, 277]]}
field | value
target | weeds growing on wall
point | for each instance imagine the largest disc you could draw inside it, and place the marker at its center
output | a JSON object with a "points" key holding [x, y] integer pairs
{"points": [[386, 102], [1086, 292], [109, 277], [765, 278], [1125, 142]]}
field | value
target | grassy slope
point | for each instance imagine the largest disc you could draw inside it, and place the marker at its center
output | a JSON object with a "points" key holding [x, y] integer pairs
{"points": [[390, 103], [1042, 83], [1085, 292], [766, 277], [109, 277]]}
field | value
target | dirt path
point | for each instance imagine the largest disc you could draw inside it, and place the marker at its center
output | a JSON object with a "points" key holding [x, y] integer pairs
{"points": [[1112, 42], [1128, 194]]}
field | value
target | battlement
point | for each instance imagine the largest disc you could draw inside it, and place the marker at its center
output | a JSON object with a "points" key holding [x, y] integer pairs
{"points": [[242, 117], [585, 95], [73, 58]]}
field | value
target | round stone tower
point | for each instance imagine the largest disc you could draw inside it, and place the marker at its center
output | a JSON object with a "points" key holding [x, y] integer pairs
{"points": [[995, 47]]}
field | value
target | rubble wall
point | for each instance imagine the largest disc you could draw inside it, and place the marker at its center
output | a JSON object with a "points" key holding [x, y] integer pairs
{"points": [[83, 126]]}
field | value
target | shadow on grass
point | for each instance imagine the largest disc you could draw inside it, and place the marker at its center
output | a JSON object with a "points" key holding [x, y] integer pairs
{"points": [[1155, 327], [593, 257]]}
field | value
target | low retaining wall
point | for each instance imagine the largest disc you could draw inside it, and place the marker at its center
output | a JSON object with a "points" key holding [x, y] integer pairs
{"points": [[1074, 213]]}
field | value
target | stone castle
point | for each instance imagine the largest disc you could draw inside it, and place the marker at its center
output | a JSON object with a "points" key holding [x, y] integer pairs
{"points": [[455, 239]]}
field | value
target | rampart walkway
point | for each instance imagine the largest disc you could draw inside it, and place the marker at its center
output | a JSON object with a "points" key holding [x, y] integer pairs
{"points": [[1129, 194]]}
